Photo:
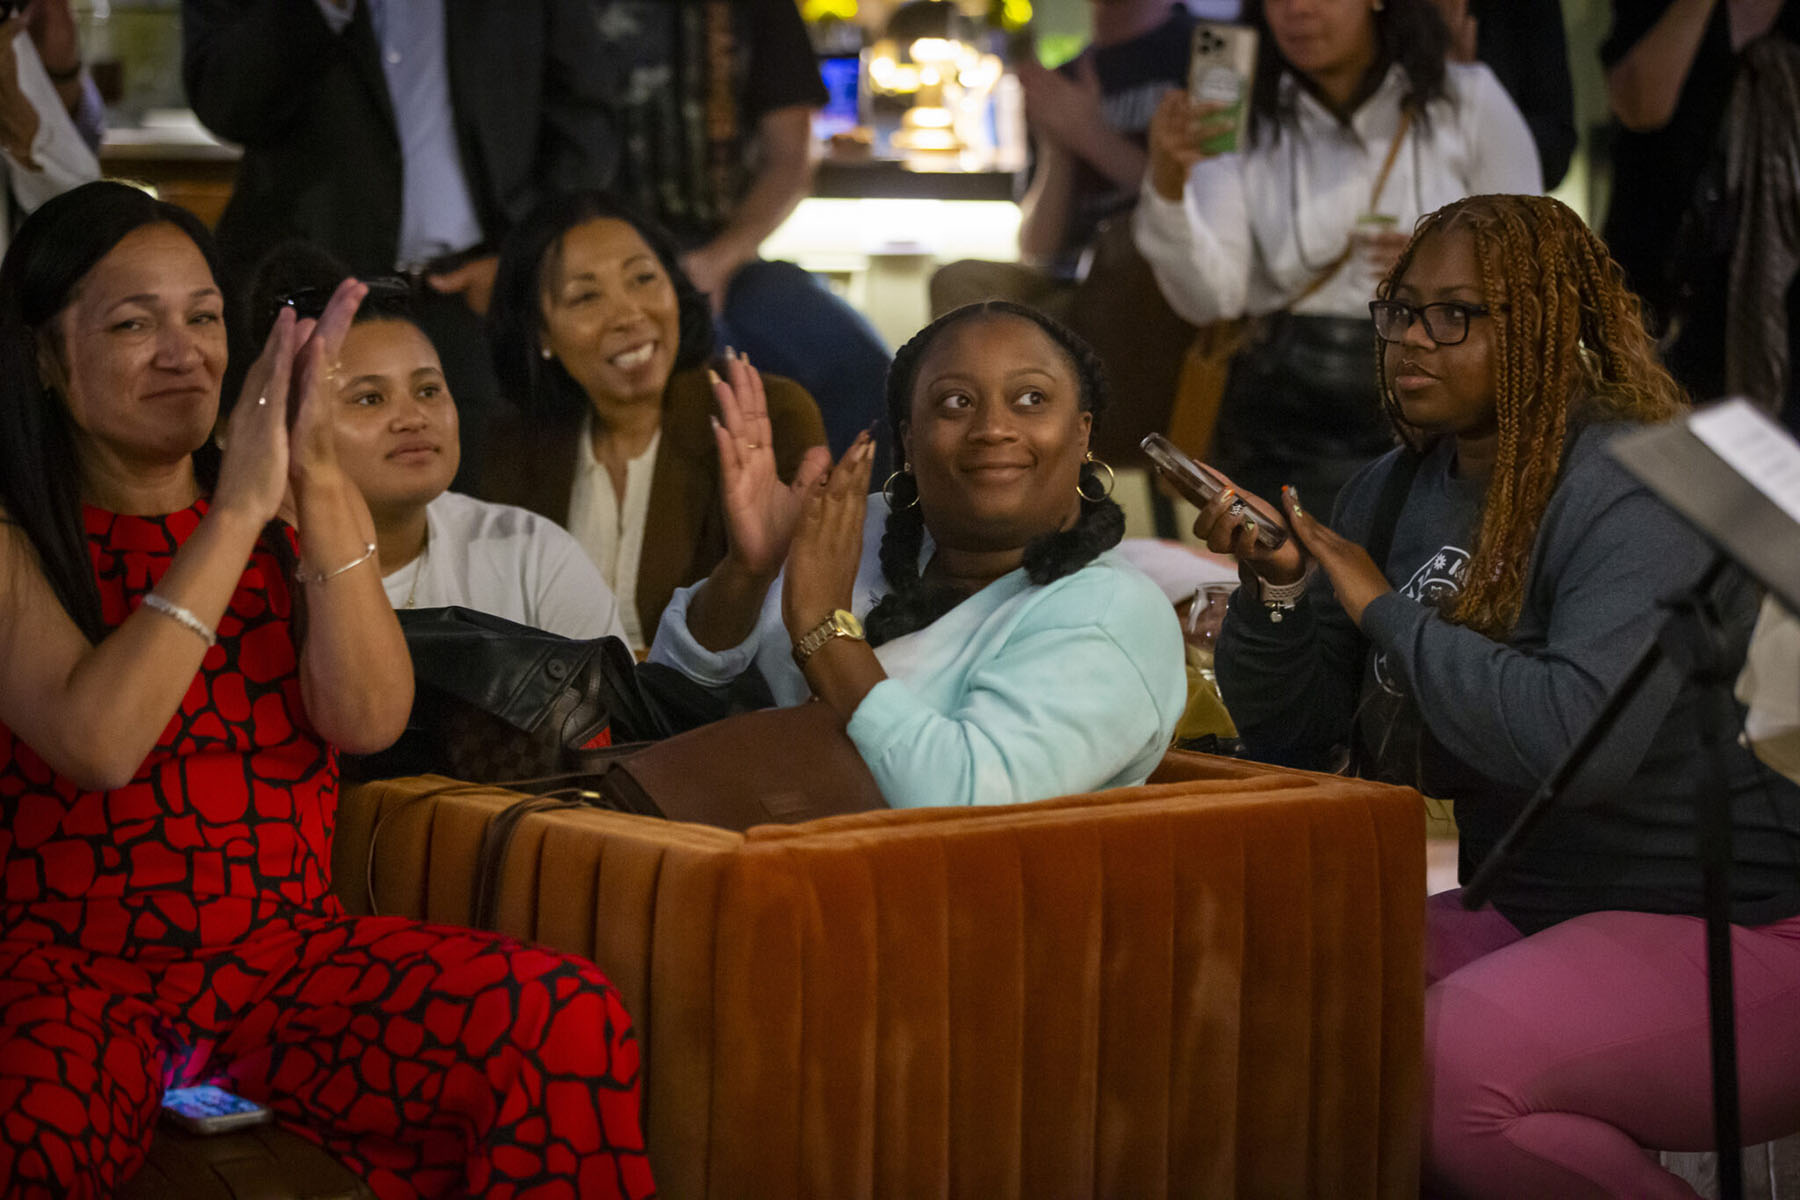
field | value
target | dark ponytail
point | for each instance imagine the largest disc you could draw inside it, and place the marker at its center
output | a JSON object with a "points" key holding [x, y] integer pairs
{"points": [[912, 603]]}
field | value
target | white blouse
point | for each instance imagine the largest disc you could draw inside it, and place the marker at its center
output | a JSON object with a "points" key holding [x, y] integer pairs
{"points": [[612, 532], [1254, 229]]}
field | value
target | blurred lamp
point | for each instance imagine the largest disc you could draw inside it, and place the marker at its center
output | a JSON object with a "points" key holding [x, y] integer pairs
{"points": [[930, 53]]}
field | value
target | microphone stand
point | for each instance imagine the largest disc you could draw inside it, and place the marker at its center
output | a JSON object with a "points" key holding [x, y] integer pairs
{"points": [[1691, 636]]}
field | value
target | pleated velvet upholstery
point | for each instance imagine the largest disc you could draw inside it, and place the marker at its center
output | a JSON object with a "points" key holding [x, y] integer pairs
{"points": [[1206, 986]]}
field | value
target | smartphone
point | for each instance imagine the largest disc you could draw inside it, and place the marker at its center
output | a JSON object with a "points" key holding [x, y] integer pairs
{"points": [[208, 1109], [1221, 71], [1202, 485]]}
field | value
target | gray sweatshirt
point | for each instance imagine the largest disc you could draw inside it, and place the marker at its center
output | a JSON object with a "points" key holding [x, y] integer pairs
{"points": [[1459, 715]]}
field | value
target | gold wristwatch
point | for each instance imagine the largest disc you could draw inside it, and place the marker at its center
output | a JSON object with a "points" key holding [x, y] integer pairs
{"points": [[839, 624]]}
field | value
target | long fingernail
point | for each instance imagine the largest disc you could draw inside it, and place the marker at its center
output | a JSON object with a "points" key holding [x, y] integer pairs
{"points": [[730, 354], [713, 376], [1294, 498]]}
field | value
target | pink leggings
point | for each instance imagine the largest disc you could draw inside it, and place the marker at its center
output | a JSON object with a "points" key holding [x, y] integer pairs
{"points": [[1553, 1060]]}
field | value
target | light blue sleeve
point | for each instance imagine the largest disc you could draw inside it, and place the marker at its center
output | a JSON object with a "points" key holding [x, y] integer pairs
{"points": [[1061, 707]]}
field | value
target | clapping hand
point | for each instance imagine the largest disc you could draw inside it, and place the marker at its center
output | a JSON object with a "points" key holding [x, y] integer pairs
{"points": [[760, 510], [827, 543], [313, 441]]}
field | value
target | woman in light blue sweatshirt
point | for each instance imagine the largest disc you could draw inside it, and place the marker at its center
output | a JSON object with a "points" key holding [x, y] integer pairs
{"points": [[1010, 653]]}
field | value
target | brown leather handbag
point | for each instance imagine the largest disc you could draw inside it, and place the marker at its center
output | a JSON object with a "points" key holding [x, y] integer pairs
{"points": [[771, 766]]}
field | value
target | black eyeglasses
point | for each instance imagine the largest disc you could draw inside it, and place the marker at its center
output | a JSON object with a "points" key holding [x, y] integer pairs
{"points": [[310, 301], [1446, 322]]}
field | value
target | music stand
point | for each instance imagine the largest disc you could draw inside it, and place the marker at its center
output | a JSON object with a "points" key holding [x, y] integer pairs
{"points": [[1734, 475]]}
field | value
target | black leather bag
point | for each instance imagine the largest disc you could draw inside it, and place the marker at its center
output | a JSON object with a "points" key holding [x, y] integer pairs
{"points": [[496, 701]]}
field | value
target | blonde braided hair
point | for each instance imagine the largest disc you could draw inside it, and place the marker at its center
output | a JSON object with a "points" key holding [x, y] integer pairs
{"points": [[1569, 342]]}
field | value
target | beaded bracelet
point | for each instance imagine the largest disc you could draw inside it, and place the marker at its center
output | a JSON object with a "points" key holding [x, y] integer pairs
{"points": [[181, 617], [301, 576]]}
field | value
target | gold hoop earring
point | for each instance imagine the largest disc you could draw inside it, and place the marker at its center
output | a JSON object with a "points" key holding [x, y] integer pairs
{"points": [[1102, 465], [887, 491]]}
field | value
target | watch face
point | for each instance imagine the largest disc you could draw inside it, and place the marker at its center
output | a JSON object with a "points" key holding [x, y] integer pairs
{"points": [[846, 622]]}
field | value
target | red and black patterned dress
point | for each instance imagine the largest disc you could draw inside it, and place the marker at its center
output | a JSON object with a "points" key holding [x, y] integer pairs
{"points": [[180, 930]]}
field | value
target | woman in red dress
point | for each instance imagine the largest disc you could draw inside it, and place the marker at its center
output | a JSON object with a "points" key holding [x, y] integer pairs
{"points": [[178, 668]]}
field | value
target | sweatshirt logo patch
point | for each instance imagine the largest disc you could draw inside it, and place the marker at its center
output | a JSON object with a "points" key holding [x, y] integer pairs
{"points": [[1435, 584]]}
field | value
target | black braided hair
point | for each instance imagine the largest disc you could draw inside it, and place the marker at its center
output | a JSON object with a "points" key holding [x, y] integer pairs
{"points": [[912, 603]]}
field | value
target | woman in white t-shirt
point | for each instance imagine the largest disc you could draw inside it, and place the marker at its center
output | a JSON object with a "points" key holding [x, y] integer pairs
{"points": [[397, 440], [1354, 112]]}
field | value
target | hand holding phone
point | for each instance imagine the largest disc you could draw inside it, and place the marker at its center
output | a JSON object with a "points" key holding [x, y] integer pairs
{"points": [[209, 1109], [1202, 485], [1221, 74]]}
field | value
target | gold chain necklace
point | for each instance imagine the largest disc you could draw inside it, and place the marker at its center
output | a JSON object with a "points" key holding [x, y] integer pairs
{"points": [[412, 592]]}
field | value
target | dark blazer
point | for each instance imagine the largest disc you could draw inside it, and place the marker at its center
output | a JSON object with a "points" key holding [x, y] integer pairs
{"points": [[528, 80], [684, 539]]}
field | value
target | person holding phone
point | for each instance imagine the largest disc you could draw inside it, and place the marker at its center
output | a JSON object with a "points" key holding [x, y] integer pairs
{"points": [[51, 117], [972, 624], [1475, 598], [179, 668], [1357, 127]]}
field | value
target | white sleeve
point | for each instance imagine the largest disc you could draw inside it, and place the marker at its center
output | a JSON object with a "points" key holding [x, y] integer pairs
{"points": [[572, 597], [1199, 249], [1505, 159], [62, 157]]}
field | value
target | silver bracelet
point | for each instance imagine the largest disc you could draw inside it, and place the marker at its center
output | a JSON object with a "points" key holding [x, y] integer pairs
{"points": [[1282, 598], [181, 617], [300, 575]]}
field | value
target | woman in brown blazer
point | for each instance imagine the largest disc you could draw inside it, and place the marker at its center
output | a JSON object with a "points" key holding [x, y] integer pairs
{"points": [[602, 347]]}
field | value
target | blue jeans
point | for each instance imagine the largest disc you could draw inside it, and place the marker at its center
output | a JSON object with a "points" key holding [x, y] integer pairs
{"points": [[790, 324]]}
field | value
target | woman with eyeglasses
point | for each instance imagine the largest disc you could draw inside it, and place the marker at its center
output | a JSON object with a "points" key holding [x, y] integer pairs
{"points": [[1516, 572], [1355, 128]]}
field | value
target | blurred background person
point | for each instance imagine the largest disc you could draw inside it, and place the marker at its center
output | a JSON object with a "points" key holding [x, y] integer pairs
{"points": [[1089, 120], [602, 344], [402, 135], [1355, 112], [1523, 42], [1707, 251], [50, 114], [717, 136], [397, 438]]}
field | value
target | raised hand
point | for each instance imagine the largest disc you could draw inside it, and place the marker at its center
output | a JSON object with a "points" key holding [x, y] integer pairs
{"points": [[760, 510], [1355, 579], [313, 443], [1178, 130], [253, 470], [826, 549]]}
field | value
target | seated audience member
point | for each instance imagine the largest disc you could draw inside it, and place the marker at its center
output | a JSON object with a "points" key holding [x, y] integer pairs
{"points": [[1088, 120], [601, 343], [398, 442], [716, 125], [169, 731], [1566, 1025], [1011, 654], [1355, 111]]}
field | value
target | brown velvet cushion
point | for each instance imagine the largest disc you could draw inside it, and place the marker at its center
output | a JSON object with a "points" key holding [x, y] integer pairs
{"points": [[1208, 985]]}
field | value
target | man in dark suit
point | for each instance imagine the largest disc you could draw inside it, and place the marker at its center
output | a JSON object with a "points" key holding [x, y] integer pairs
{"points": [[402, 135]]}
